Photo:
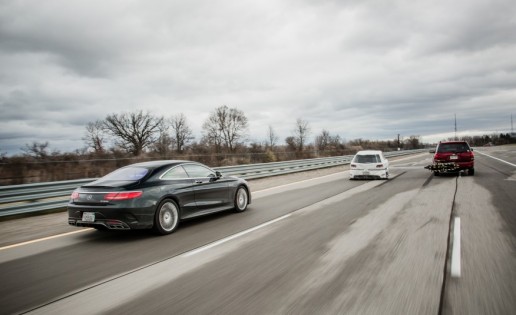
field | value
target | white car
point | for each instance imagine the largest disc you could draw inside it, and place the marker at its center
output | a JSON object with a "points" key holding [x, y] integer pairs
{"points": [[370, 164]]}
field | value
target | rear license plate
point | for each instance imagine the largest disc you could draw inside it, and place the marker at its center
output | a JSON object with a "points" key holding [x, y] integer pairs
{"points": [[453, 157], [88, 216], [366, 172]]}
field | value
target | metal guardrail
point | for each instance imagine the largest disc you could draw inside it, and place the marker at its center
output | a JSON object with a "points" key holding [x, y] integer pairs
{"points": [[32, 198]]}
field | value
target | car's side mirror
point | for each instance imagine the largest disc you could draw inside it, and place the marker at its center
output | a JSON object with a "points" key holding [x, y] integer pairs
{"points": [[213, 177], [432, 151]]}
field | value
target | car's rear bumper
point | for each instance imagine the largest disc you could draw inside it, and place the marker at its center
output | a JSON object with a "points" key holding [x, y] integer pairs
{"points": [[368, 174], [465, 165], [112, 218], [107, 224]]}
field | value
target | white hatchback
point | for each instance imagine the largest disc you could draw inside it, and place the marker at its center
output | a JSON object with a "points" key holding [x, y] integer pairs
{"points": [[370, 164]]}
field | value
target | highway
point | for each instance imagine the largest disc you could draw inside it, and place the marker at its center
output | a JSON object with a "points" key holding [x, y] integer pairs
{"points": [[310, 243]]}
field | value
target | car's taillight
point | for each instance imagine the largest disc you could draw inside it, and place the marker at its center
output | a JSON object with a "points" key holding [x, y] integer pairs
{"points": [[123, 195], [75, 195], [353, 165], [379, 165], [468, 156], [438, 156]]}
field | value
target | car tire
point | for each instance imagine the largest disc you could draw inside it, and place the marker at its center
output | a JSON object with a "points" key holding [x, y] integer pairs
{"points": [[436, 173], [241, 199], [166, 218], [471, 171]]}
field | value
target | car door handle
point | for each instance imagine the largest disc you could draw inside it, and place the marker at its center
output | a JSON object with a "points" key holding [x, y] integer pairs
{"points": [[198, 181]]}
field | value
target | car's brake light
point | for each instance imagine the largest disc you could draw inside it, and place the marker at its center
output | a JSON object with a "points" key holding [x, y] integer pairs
{"points": [[439, 157], [468, 155], [75, 195], [123, 195]]}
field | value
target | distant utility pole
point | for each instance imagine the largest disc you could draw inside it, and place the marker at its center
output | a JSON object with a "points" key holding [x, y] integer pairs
{"points": [[456, 128], [512, 128], [398, 141]]}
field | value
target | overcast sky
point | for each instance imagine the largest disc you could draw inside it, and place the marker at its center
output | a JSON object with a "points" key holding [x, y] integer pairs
{"points": [[359, 69]]}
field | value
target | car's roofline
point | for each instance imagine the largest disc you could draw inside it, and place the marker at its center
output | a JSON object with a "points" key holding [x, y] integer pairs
{"points": [[159, 163], [363, 152], [452, 142]]}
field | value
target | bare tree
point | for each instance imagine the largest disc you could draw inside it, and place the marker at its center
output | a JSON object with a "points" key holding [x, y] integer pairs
{"points": [[272, 138], [133, 131], [335, 143], [226, 126], [212, 136], [164, 143], [322, 141], [300, 133], [182, 134], [326, 142], [291, 143], [413, 142], [95, 136], [38, 150]]}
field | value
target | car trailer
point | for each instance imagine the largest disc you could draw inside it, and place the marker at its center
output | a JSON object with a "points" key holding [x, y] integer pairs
{"points": [[443, 168]]}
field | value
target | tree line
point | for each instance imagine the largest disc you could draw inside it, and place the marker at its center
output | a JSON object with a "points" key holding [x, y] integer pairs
{"points": [[124, 138]]}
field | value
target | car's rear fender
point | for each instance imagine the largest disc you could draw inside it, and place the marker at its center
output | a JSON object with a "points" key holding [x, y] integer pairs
{"points": [[175, 199]]}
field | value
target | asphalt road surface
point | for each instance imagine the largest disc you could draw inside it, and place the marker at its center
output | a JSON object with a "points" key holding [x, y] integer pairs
{"points": [[310, 243]]}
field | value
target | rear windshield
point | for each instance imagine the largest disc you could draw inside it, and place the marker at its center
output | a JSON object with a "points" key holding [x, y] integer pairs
{"points": [[369, 158], [452, 147], [127, 173]]}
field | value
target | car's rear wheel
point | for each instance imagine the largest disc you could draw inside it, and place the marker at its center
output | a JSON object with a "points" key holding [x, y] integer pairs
{"points": [[436, 173], [471, 171], [166, 218], [241, 199]]}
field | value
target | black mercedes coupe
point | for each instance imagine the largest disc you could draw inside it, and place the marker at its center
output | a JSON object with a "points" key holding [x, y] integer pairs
{"points": [[156, 195]]}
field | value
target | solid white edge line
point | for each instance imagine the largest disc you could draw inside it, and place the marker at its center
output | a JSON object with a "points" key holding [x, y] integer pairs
{"points": [[44, 238], [455, 260], [226, 239], [496, 158]]}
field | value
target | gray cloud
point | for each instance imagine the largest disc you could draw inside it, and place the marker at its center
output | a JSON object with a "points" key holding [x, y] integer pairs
{"points": [[360, 69]]}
